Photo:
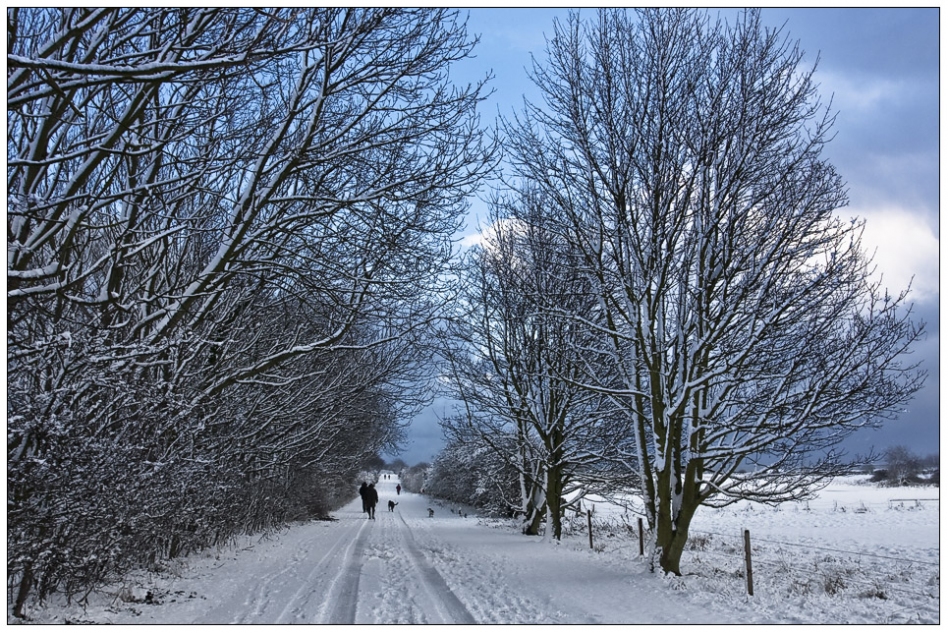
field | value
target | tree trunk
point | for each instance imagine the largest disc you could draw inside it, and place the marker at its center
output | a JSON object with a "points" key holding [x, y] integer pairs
{"points": [[554, 500], [534, 505], [26, 582], [672, 533]]}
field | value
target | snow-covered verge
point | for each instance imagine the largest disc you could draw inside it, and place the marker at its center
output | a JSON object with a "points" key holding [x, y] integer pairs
{"points": [[857, 554]]}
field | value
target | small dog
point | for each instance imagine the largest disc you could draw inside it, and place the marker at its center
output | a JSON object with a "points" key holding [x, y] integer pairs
{"points": [[430, 513], [391, 506]]}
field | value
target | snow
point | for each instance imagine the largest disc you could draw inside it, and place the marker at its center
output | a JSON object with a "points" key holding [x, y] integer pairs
{"points": [[857, 554]]}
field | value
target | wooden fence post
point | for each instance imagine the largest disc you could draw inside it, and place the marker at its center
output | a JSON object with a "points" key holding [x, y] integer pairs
{"points": [[589, 521], [641, 539], [747, 561]]}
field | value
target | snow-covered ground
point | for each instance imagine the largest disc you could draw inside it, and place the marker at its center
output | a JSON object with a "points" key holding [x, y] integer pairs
{"points": [[852, 556]]}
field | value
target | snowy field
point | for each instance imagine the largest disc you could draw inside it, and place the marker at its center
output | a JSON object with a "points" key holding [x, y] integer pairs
{"points": [[858, 554]]}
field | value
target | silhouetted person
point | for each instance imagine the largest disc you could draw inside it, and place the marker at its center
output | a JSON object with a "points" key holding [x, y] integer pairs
{"points": [[371, 498], [363, 490], [398, 489]]}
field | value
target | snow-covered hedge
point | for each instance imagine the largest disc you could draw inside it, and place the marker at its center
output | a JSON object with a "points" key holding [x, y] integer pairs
{"points": [[474, 476]]}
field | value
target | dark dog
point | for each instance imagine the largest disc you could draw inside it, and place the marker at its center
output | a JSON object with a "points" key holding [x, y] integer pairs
{"points": [[391, 506]]}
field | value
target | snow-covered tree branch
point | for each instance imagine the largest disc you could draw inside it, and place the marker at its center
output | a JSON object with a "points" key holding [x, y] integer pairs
{"points": [[517, 353], [684, 158], [226, 229]]}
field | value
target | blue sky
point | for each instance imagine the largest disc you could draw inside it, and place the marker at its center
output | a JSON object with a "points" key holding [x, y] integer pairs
{"points": [[881, 68]]}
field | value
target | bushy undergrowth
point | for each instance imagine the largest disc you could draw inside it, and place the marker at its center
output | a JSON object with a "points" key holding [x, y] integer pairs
{"points": [[81, 521], [476, 478]]}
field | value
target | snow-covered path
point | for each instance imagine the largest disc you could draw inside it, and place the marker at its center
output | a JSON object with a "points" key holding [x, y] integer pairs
{"points": [[402, 568], [353, 571], [407, 568]]}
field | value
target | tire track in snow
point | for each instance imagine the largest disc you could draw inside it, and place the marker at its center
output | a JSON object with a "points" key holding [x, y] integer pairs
{"points": [[309, 585], [344, 598], [453, 609], [492, 588], [297, 602], [266, 591]]}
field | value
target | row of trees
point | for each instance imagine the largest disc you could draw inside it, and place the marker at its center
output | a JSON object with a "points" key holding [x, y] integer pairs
{"points": [[903, 467], [225, 232], [476, 476], [518, 357], [666, 295]]}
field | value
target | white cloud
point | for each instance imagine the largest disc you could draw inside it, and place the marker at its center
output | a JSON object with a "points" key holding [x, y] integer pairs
{"points": [[487, 237], [860, 93], [905, 246], [473, 239]]}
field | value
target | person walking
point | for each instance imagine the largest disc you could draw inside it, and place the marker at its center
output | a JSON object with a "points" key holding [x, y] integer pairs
{"points": [[398, 489], [363, 492], [371, 498]]}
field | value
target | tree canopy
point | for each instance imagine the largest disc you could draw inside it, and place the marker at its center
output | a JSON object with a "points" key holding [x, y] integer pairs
{"points": [[225, 233], [681, 161]]}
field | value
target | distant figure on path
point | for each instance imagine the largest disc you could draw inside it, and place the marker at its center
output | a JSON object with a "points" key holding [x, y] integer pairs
{"points": [[398, 489], [371, 498], [363, 491]]}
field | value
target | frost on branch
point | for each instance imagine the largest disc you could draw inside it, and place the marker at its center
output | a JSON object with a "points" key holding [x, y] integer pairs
{"points": [[238, 217]]}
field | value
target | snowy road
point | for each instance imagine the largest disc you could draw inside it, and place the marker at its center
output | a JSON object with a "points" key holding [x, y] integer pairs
{"points": [[402, 568], [407, 568], [355, 571]]}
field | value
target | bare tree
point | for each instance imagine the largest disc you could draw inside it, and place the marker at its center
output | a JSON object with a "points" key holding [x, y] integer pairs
{"points": [[225, 228], [684, 159], [473, 473], [902, 465], [517, 359]]}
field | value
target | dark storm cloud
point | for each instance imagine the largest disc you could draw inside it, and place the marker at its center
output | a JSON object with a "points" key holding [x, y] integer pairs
{"points": [[881, 67]]}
